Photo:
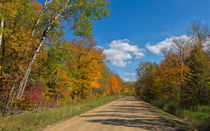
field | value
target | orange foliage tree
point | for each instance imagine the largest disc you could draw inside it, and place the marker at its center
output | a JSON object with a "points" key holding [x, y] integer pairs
{"points": [[115, 86], [86, 66]]}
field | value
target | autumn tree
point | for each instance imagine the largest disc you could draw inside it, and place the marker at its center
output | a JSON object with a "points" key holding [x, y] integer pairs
{"points": [[196, 90], [105, 80], [115, 85], [129, 88], [33, 23], [80, 18], [182, 77], [146, 74], [18, 16], [86, 66], [169, 79]]}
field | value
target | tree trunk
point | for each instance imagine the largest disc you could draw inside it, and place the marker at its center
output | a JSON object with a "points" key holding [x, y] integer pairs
{"points": [[35, 26], [1, 32], [2, 45], [2, 56], [11, 96], [27, 73], [56, 93]]}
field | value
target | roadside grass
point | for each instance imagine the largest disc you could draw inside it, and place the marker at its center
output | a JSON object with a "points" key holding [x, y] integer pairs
{"points": [[177, 123], [199, 116], [35, 120]]}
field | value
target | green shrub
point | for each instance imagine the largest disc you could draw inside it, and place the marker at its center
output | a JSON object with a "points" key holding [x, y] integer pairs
{"points": [[159, 104], [170, 108], [199, 116]]}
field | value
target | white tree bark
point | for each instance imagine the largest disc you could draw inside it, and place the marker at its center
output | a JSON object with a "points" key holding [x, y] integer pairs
{"points": [[28, 71], [2, 29], [11, 95], [35, 26]]}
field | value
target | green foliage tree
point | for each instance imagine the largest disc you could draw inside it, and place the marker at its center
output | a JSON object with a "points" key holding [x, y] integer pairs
{"points": [[146, 74], [196, 89]]}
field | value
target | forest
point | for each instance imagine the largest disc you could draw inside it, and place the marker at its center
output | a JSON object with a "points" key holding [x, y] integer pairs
{"points": [[39, 67], [180, 84]]}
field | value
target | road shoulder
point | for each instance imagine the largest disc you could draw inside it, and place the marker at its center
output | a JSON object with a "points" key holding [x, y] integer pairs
{"points": [[175, 122]]}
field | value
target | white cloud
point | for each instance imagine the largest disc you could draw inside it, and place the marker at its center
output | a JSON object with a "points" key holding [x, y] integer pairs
{"points": [[129, 62], [167, 43], [121, 50], [207, 45], [126, 79], [129, 74]]}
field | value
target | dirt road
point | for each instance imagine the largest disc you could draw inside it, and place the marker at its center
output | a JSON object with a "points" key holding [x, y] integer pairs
{"points": [[125, 114]]}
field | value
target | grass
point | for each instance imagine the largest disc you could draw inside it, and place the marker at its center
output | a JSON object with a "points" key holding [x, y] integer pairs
{"points": [[199, 116], [177, 123], [36, 120]]}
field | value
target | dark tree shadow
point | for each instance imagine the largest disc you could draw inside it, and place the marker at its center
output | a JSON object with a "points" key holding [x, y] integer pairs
{"points": [[147, 124], [128, 115]]}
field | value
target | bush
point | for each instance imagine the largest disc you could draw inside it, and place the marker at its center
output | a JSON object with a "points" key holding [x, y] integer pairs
{"points": [[170, 108], [199, 116], [33, 97], [159, 104]]}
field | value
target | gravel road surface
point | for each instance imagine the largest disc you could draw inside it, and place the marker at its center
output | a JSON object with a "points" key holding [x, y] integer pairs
{"points": [[125, 114]]}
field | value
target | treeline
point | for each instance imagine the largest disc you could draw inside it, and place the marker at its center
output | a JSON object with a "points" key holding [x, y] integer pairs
{"points": [[180, 84], [38, 67], [182, 78]]}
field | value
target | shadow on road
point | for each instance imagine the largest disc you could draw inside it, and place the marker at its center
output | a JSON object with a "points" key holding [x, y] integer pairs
{"points": [[147, 124], [131, 114]]}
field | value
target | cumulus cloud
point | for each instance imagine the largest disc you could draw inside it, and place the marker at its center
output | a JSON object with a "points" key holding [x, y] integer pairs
{"points": [[207, 45], [126, 79], [121, 50], [129, 74], [167, 43]]}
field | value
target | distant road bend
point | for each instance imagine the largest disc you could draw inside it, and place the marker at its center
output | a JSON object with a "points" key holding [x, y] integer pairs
{"points": [[125, 114]]}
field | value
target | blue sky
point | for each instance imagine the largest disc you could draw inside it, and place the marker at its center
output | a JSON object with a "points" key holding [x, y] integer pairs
{"points": [[137, 29]]}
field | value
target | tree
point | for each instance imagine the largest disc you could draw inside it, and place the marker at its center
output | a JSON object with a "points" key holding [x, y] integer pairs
{"points": [[146, 74], [169, 79], [86, 66], [18, 15], [196, 90], [115, 85], [28, 26], [81, 24], [129, 88]]}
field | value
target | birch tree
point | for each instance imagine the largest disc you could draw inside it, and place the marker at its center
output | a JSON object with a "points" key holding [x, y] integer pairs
{"points": [[77, 15]]}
